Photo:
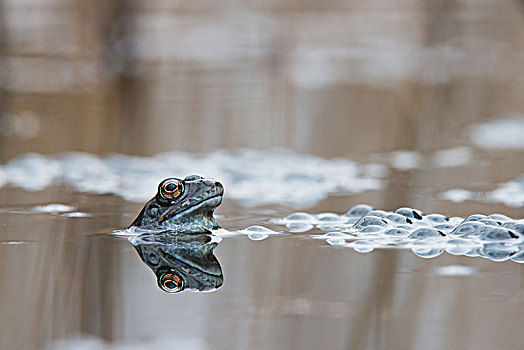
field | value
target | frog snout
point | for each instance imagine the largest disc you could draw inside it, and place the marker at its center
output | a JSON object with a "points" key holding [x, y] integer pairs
{"points": [[209, 182], [212, 183]]}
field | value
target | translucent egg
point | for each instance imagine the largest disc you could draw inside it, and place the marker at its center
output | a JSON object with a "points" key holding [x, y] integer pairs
{"points": [[359, 210]]}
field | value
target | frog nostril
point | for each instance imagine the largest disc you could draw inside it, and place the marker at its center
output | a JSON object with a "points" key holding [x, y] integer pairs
{"points": [[209, 182]]}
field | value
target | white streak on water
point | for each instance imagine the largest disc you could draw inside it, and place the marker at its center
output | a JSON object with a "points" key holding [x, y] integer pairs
{"points": [[53, 208], [77, 214], [455, 270], [13, 242]]}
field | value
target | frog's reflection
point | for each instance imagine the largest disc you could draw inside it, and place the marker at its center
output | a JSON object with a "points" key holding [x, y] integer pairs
{"points": [[182, 261]]}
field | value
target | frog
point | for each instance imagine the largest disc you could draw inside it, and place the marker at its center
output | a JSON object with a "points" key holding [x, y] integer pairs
{"points": [[182, 206], [181, 262]]}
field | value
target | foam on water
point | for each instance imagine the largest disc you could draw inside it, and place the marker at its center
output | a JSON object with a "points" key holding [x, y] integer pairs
{"points": [[496, 237], [452, 157], [77, 214], [250, 177], [489, 135], [457, 195], [405, 160], [510, 193]]}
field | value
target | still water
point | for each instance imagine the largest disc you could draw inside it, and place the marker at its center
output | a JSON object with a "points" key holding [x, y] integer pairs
{"points": [[272, 278], [295, 107]]}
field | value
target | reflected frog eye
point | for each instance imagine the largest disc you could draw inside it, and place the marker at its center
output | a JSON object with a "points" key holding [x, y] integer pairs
{"points": [[171, 283], [171, 189]]}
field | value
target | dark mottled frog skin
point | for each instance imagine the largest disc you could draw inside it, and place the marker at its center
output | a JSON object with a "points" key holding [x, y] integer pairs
{"points": [[181, 262], [182, 206]]}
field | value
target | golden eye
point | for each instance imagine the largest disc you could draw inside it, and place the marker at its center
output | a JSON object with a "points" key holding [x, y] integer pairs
{"points": [[171, 283], [171, 189]]}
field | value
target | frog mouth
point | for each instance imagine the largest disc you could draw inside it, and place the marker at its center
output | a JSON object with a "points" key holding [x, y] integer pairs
{"points": [[210, 202], [204, 206]]}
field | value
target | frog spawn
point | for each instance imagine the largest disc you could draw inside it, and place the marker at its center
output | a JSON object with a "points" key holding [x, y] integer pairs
{"points": [[258, 233], [496, 237]]}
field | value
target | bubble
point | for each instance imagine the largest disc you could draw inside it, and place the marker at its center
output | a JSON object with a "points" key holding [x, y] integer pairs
{"points": [[436, 218], [459, 246], [372, 229], [472, 253], [258, 229], [445, 227], [370, 220], [335, 234], [497, 251], [406, 227], [359, 210], [468, 229], [378, 213], [497, 234], [396, 232], [426, 232], [328, 227], [328, 217], [336, 241], [500, 217], [475, 217], [351, 220], [399, 219], [427, 253], [490, 222], [299, 227], [420, 223], [363, 246], [516, 228], [300, 217], [519, 257], [519, 229], [257, 236], [496, 237], [410, 213], [456, 220]]}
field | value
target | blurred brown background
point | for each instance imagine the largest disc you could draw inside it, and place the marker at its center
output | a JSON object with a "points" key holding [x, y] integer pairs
{"points": [[334, 78]]}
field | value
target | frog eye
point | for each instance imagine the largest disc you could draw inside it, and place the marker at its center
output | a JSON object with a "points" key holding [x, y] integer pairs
{"points": [[171, 189], [171, 283]]}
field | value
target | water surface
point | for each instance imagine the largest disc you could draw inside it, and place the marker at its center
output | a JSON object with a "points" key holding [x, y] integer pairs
{"points": [[68, 282]]}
